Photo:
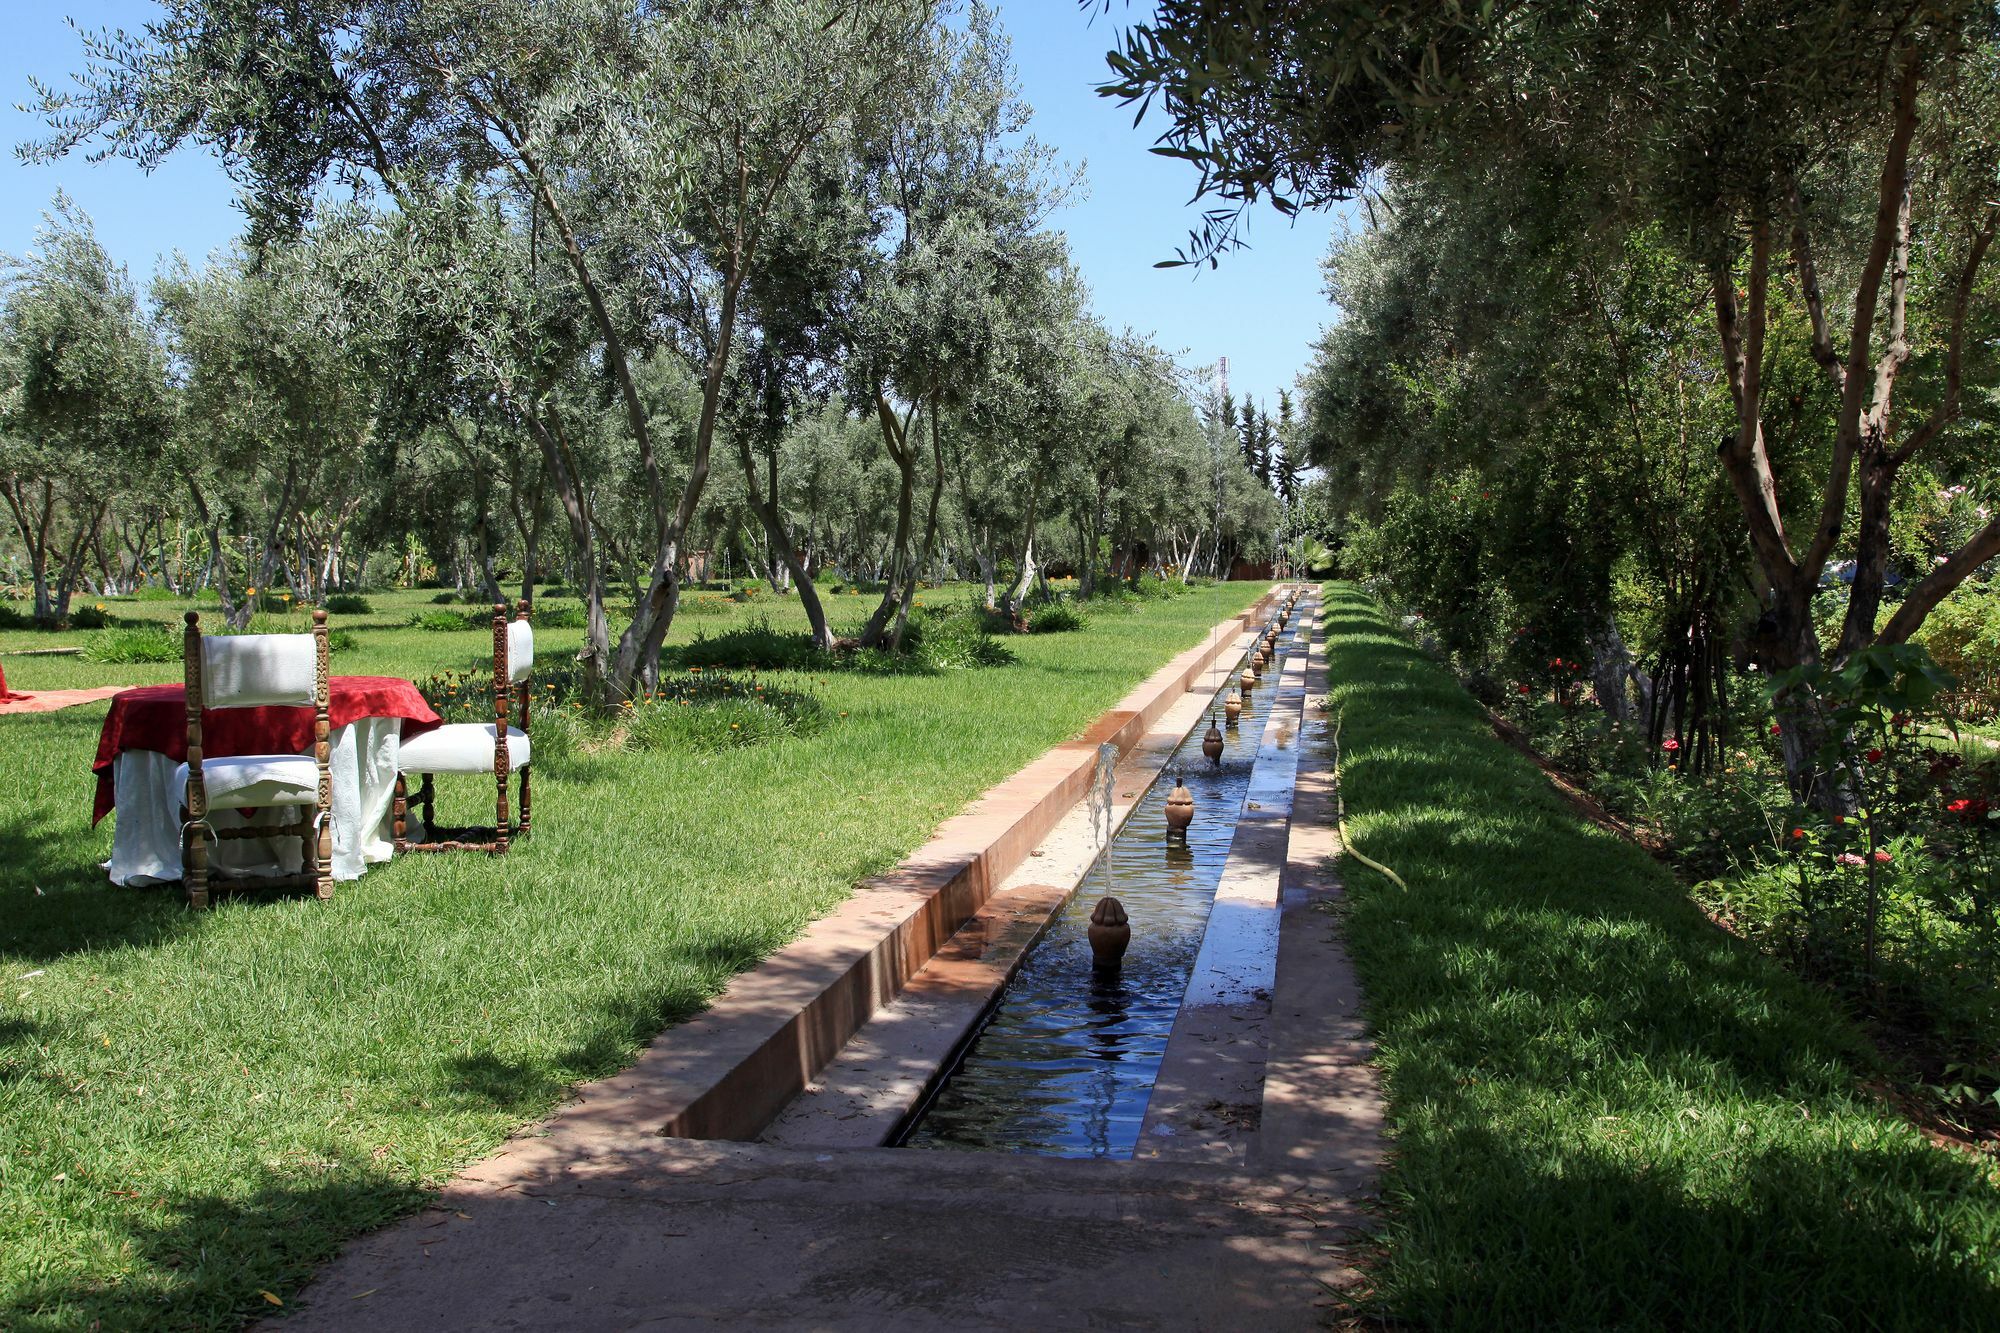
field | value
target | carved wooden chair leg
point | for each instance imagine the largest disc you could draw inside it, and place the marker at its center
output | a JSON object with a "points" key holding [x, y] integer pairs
{"points": [[194, 858], [522, 829], [500, 808], [323, 858], [427, 797], [402, 815]]}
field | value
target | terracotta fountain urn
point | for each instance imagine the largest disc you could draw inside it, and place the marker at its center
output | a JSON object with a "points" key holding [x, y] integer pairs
{"points": [[1232, 707], [1248, 680], [1180, 810], [1110, 932], [1211, 742]]}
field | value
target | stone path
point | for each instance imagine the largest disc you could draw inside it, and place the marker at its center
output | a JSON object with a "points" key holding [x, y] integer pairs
{"points": [[617, 1226]]}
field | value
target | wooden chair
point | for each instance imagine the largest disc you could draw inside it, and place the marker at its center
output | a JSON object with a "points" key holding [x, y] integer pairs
{"points": [[477, 747], [254, 671]]}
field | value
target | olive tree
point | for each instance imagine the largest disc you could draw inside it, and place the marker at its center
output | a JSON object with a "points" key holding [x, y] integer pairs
{"points": [[82, 400], [640, 147]]}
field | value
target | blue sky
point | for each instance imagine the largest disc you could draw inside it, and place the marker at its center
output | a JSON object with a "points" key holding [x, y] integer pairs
{"points": [[1262, 309]]}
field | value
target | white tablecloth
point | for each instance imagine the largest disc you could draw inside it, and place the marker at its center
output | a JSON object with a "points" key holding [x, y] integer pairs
{"points": [[146, 845]]}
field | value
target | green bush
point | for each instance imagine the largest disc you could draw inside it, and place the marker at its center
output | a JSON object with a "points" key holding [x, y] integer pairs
{"points": [[703, 604], [156, 643], [1060, 617], [1963, 635], [755, 646], [443, 621], [955, 637], [445, 598], [13, 619], [697, 712], [348, 604], [162, 643], [563, 616], [88, 617], [153, 592]]}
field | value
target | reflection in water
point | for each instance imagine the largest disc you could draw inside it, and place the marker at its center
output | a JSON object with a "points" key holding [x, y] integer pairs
{"points": [[1066, 1062]]}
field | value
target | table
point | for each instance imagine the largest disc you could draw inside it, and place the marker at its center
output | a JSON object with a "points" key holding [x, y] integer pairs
{"points": [[144, 739]]}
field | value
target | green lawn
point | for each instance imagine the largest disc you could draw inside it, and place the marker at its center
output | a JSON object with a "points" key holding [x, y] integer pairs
{"points": [[195, 1108], [1607, 1113]]}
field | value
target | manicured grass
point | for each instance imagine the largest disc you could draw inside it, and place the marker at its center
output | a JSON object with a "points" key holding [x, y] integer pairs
{"points": [[1607, 1113], [195, 1108]]}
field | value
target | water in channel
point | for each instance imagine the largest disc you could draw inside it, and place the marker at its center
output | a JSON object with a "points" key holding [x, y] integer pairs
{"points": [[1066, 1061]]}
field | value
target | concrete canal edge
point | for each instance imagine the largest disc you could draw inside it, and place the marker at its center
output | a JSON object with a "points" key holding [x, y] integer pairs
{"points": [[726, 1072]]}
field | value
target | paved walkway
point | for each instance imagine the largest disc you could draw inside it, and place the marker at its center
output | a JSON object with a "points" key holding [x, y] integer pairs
{"points": [[628, 1229]]}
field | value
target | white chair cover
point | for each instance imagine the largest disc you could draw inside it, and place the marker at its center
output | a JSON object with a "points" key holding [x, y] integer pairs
{"points": [[520, 651], [252, 670]]}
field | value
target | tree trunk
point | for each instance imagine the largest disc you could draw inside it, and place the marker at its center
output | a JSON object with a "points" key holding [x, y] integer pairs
{"points": [[1024, 579], [766, 508], [895, 437], [930, 536]]}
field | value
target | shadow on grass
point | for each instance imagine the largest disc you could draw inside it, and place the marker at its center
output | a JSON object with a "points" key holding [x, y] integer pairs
{"points": [[1608, 1113], [202, 1260], [54, 897], [489, 1081]]}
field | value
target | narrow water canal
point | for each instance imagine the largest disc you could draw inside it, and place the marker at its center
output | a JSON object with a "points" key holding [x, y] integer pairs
{"points": [[1067, 1060]]}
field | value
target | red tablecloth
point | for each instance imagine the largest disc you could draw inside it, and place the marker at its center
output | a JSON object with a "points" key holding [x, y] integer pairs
{"points": [[5, 697], [154, 717]]}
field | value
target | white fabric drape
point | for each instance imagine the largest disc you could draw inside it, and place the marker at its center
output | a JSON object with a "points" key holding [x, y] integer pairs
{"points": [[145, 846]]}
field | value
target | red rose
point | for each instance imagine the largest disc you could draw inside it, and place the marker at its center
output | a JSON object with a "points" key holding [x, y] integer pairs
{"points": [[1777, 730], [1874, 756], [1521, 688], [1798, 833], [1670, 745]]}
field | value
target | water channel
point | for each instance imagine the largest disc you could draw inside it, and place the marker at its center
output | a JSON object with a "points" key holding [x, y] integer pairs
{"points": [[1067, 1059]]}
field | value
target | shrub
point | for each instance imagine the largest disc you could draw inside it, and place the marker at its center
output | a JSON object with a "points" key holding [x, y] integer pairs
{"points": [[442, 621], [155, 643], [1963, 635], [754, 646], [955, 637], [564, 616], [1060, 617], [704, 604], [699, 711], [88, 617], [445, 598], [348, 604], [152, 592], [13, 619], [162, 643]]}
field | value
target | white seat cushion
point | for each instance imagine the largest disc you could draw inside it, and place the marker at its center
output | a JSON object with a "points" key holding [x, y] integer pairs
{"points": [[254, 781], [461, 747]]}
